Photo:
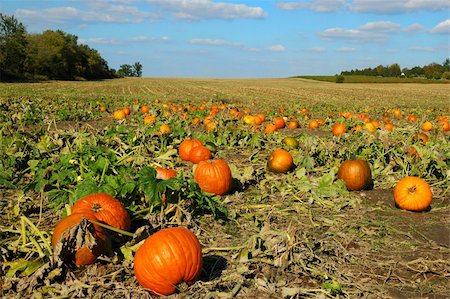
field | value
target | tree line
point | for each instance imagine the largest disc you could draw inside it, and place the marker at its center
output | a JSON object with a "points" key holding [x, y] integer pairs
{"points": [[54, 55], [431, 71]]}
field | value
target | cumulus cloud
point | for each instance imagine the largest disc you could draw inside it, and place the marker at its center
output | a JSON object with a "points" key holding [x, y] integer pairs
{"points": [[346, 49], [422, 49], [415, 28], [133, 39], [276, 48], [225, 43], [214, 42], [442, 28], [397, 6], [314, 5], [97, 12], [370, 32], [207, 9]]}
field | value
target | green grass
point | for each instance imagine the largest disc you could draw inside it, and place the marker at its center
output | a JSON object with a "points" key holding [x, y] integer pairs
{"points": [[373, 79]]}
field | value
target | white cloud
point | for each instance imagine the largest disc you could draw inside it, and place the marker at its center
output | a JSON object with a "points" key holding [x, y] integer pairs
{"points": [[314, 5], [317, 50], [442, 27], [276, 48], [422, 49], [224, 43], [214, 42], [97, 12], [370, 32], [134, 39], [397, 6], [346, 49], [207, 9], [415, 28]]}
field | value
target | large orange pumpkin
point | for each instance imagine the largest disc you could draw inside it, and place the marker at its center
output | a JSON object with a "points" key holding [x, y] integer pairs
{"points": [[213, 176], [280, 161], [83, 255], [186, 146], [167, 258], [106, 208], [413, 194], [356, 174]]}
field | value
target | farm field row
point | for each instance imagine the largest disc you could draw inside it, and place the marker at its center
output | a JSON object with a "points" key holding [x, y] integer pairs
{"points": [[284, 229]]}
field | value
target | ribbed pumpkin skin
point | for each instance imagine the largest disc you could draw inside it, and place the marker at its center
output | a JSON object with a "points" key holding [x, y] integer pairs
{"points": [[165, 174], [413, 194], [356, 174], [167, 258], [213, 176], [83, 255], [106, 208], [186, 146]]}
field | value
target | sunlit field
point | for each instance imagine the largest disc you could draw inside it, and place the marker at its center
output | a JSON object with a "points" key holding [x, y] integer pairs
{"points": [[285, 229]]}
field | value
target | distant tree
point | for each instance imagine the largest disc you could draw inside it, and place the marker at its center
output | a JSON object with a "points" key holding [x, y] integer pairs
{"points": [[340, 79], [13, 47], [125, 70], [432, 71], [446, 65], [394, 70], [137, 69]]}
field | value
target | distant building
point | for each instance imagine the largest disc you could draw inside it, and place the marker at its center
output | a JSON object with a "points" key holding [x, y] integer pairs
{"points": [[402, 75]]}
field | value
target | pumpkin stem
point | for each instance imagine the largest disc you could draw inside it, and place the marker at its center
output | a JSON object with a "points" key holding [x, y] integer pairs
{"points": [[412, 189], [96, 207]]}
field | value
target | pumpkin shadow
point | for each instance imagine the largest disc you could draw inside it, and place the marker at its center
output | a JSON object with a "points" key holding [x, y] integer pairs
{"points": [[213, 266]]}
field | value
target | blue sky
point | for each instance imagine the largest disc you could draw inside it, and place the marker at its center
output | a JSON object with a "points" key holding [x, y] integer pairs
{"points": [[248, 39]]}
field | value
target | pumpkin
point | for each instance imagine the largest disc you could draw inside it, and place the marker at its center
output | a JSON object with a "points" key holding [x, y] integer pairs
{"points": [[356, 174], [105, 208], [413, 194], [339, 129], [427, 126], [164, 129], [389, 127], [165, 174], [199, 153], [83, 255], [213, 176], [270, 128], [149, 119], [119, 114], [280, 161], [145, 109], [313, 124], [167, 258], [279, 122], [186, 146], [293, 124], [290, 142]]}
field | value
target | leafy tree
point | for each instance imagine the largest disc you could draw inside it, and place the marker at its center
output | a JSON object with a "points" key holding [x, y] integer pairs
{"points": [[137, 69], [13, 47], [125, 70]]}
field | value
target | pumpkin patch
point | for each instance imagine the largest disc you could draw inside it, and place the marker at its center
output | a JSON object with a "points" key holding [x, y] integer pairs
{"points": [[211, 188]]}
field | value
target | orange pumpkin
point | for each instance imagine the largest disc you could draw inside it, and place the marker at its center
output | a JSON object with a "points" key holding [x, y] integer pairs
{"points": [[270, 128], [213, 176], [279, 122], [145, 109], [427, 126], [356, 174], [165, 129], [186, 146], [339, 129], [83, 255], [313, 124], [293, 124], [413, 194], [280, 161], [105, 208], [119, 114], [167, 258], [165, 174], [149, 119], [199, 153], [389, 127]]}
